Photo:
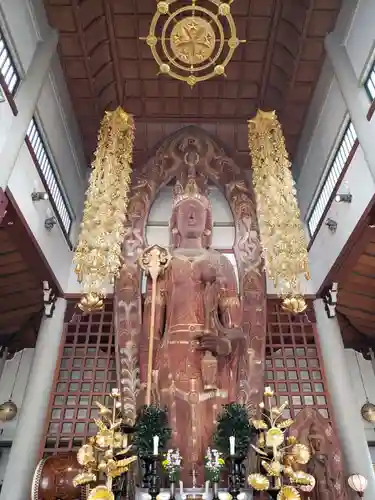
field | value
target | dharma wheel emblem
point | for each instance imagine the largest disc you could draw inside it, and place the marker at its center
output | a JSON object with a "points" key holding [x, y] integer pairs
{"points": [[192, 43]]}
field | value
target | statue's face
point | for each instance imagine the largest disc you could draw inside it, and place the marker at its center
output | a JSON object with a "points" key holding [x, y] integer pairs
{"points": [[191, 219]]}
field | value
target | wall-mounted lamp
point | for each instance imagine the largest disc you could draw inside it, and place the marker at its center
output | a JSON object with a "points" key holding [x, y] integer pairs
{"points": [[358, 483], [345, 198], [331, 224], [330, 299], [49, 299], [37, 196], [50, 222]]}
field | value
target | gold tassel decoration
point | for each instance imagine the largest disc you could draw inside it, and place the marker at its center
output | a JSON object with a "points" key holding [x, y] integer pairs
{"points": [[280, 227], [98, 255]]}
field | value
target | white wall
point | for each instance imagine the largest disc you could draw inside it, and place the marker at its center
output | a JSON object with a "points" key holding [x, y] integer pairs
{"points": [[23, 181], [326, 119], [327, 246], [6, 117], [24, 23], [360, 40], [15, 374], [319, 153], [361, 388], [19, 25]]}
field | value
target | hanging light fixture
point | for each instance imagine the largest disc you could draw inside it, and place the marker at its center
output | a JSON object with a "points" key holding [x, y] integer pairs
{"points": [[358, 484], [280, 227], [9, 410], [98, 254], [368, 409]]}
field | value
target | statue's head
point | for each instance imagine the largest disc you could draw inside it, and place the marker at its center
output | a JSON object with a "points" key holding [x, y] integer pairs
{"points": [[191, 215]]}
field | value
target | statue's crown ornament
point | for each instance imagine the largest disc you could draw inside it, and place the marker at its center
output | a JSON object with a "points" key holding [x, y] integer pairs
{"points": [[190, 192]]}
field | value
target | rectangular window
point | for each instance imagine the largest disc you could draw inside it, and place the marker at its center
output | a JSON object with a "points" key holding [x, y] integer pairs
{"points": [[369, 83], [340, 160], [51, 183], [8, 69]]}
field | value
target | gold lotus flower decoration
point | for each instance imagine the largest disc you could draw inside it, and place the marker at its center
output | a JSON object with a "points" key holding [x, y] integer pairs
{"points": [[105, 452], [280, 454]]}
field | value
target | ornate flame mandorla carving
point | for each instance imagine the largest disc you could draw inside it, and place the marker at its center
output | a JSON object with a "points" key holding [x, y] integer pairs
{"points": [[192, 45], [98, 254], [280, 227]]}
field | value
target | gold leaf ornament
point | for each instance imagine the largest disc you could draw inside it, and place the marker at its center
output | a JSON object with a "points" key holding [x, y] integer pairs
{"points": [[285, 424], [259, 424], [288, 493], [300, 477], [84, 478], [273, 468], [258, 482]]}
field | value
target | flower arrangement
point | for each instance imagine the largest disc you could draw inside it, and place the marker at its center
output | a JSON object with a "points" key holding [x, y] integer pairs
{"points": [[172, 464], [213, 463]]}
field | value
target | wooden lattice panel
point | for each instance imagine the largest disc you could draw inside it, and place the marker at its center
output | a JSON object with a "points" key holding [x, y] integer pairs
{"points": [[293, 368], [86, 373]]}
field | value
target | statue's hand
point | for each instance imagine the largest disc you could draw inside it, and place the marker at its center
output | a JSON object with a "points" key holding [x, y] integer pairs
{"points": [[219, 346]]}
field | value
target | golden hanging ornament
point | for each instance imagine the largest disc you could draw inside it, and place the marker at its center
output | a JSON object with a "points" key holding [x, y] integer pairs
{"points": [[98, 254], [280, 227]]}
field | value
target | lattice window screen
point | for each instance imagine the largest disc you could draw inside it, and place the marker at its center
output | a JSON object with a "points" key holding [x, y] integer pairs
{"points": [[86, 372], [293, 368]]}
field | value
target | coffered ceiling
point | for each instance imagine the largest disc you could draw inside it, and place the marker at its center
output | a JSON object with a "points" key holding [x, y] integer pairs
{"points": [[106, 64]]}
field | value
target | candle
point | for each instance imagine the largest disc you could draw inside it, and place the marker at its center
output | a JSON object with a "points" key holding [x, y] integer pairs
{"points": [[232, 441], [207, 486], [181, 489], [156, 445]]}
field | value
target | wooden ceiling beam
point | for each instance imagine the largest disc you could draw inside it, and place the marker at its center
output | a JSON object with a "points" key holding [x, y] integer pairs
{"points": [[16, 278], [15, 317], [21, 301], [362, 235]]}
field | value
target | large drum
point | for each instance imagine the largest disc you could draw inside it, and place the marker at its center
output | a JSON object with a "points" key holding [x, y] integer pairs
{"points": [[53, 479]]}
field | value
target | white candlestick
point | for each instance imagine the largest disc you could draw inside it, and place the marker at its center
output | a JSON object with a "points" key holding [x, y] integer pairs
{"points": [[181, 489], [156, 445], [232, 441]]}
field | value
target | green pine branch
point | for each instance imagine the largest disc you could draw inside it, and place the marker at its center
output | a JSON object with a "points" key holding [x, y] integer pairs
{"points": [[151, 421], [233, 421]]}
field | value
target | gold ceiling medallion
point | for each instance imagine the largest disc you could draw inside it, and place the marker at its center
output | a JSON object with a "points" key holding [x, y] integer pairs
{"points": [[192, 43]]}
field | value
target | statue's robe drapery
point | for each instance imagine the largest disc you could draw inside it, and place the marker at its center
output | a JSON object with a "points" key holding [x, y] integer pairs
{"points": [[177, 372]]}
